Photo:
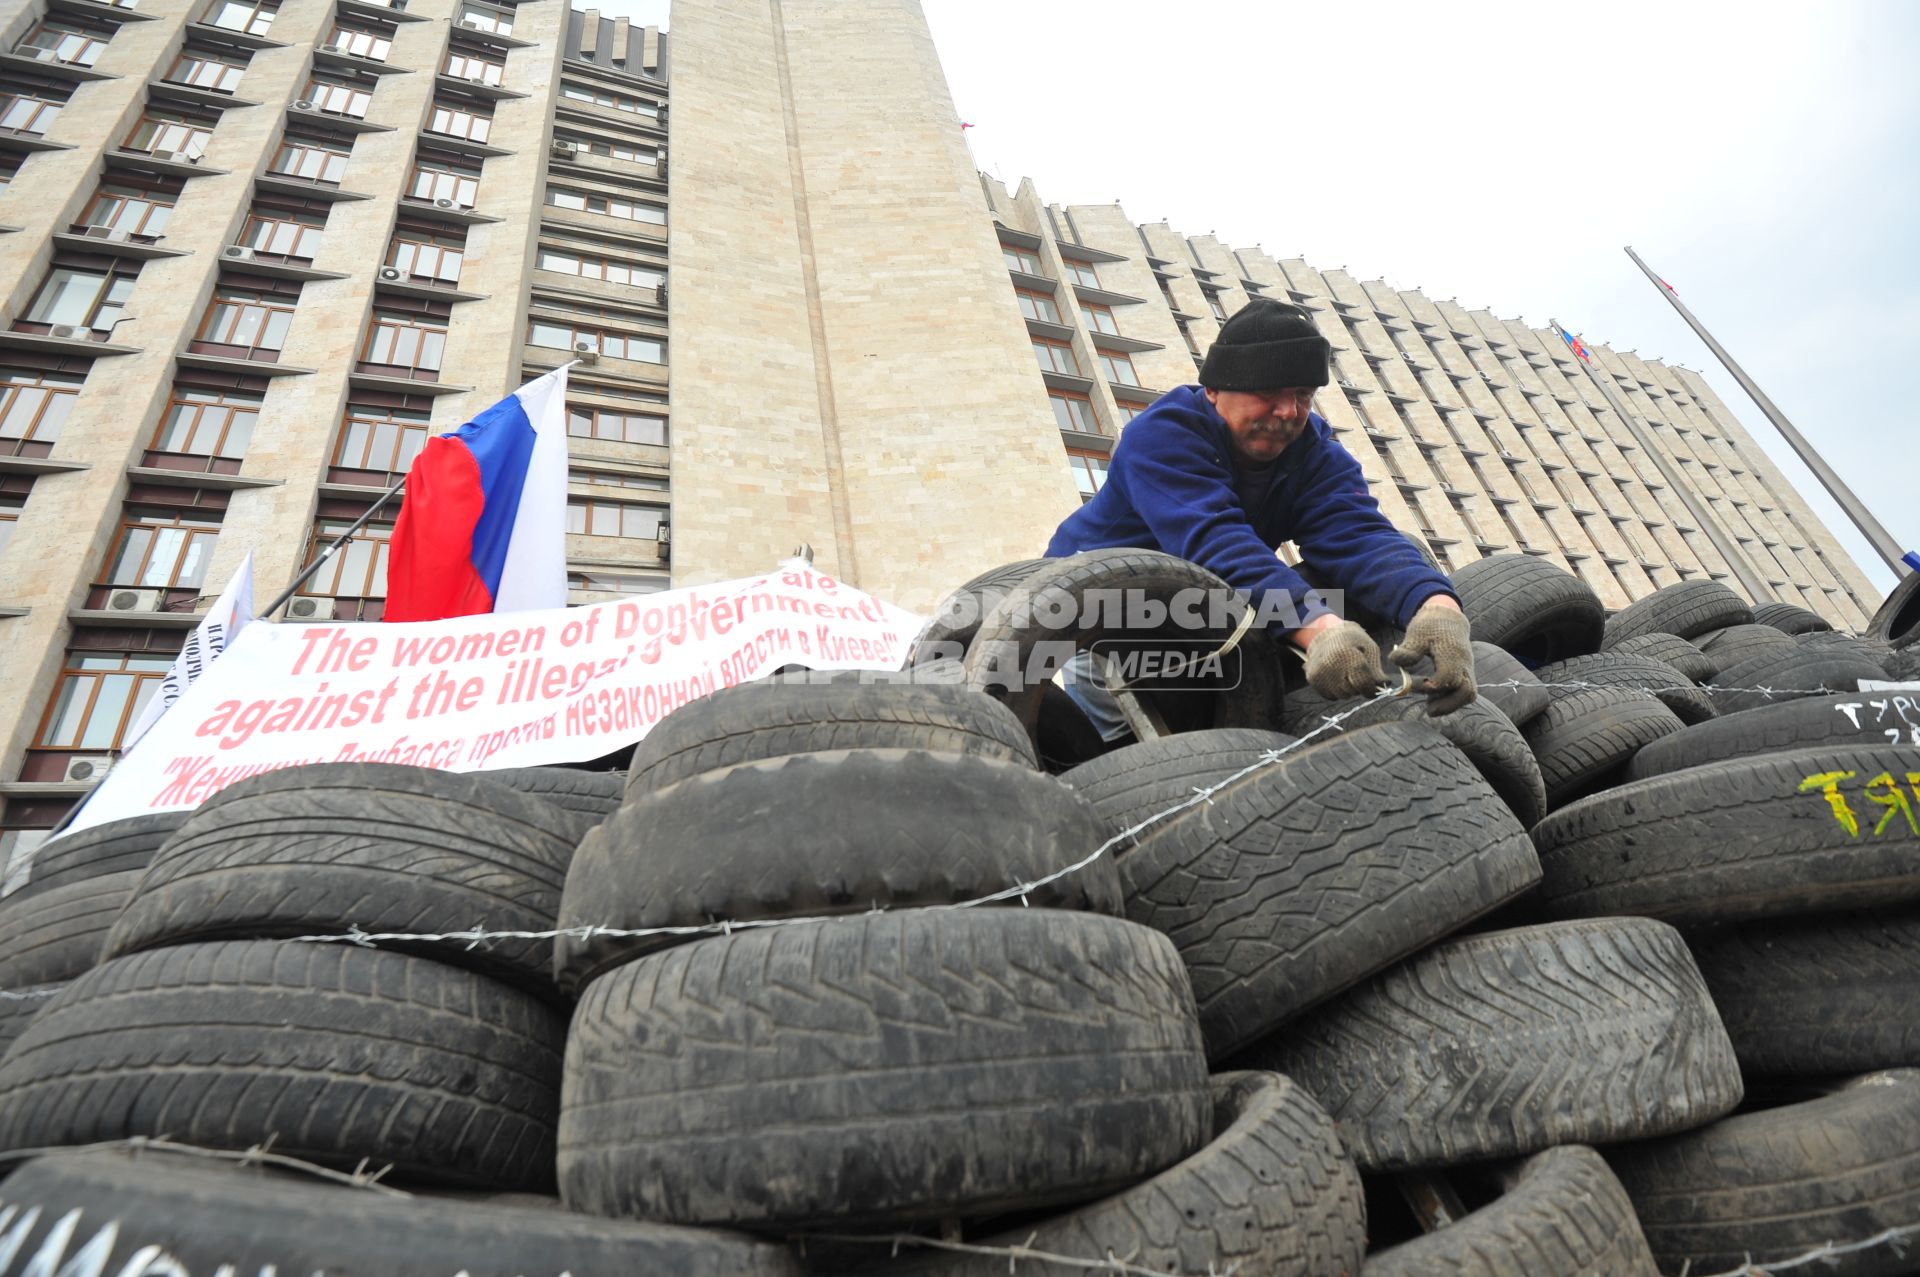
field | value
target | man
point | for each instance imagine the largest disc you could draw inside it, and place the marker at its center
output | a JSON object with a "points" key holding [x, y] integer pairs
{"points": [[1221, 473]]}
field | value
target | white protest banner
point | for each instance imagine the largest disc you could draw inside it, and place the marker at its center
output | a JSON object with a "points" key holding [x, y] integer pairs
{"points": [[230, 613], [509, 689]]}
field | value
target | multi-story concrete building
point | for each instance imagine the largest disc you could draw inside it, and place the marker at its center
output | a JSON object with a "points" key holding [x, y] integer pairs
{"points": [[253, 252]]}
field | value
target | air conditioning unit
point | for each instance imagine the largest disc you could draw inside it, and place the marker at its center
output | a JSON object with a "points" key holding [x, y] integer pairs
{"points": [[665, 535], [443, 202], [177, 157], [302, 104], [391, 273], [87, 768], [133, 601], [237, 252], [69, 330], [109, 233], [332, 48], [471, 25], [587, 352], [566, 149], [311, 609]]}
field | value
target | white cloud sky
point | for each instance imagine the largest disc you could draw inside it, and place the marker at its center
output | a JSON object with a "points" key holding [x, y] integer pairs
{"points": [[1764, 158]]}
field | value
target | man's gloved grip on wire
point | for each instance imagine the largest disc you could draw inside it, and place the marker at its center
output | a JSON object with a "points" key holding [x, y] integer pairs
{"points": [[1342, 661], [1440, 631]]}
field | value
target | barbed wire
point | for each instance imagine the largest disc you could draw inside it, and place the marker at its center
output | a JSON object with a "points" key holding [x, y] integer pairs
{"points": [[260, 1154], [1111, 1263], [1825, 1253]]}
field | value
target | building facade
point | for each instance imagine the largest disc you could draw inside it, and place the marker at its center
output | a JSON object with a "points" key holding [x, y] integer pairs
{"points": [[253, 252]]}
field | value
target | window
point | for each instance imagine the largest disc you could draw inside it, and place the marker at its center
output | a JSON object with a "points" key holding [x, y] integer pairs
{"points": [[339, 97], [242, 15], [9, 515], [130, 210], [208, 423], [1089, 472], [1021, 260], [444, 180], [91, 299], [1100, 318], [1118, 368], [359, 570], [165, 135], [99, 695], [1037, 306], [1213, 304], [482, 17], [28, 114], [609, 269], [1081, 273], [1128, 411], [361, 44], [253, 321], [616, 582], [467, 66], [74, 45], [421, 254], [459, 122], [613, 150], [598, 518], [204, 71], [1073, 412], [284, 232], [157, 550], [610, 206], [380, 439], [614, 479], [313, 161], [602, 97], [1055, 356], [34, 405], [406, 341], [559, 336], [627, 427]]}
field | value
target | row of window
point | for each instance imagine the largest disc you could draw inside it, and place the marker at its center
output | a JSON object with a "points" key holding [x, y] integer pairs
{"points": [[1027, 262], [1058, 356]]}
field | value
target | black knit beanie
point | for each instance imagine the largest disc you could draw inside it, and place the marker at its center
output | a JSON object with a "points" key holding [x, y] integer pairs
{"points": [[1266, 345]]}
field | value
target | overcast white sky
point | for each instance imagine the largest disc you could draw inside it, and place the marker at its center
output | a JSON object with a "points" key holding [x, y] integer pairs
{"points": [[1764, 158]]}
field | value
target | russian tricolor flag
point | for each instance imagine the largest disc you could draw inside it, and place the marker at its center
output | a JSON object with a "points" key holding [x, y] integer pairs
{"points": [[484, 524]]}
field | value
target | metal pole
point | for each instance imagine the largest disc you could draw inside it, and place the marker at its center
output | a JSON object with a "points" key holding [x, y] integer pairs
{"points": [[1883, 542], [328, 553], [1756, 585]]}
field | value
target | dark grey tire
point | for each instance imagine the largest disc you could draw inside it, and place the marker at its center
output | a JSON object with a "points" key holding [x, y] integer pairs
{"points": [[770, 720], [586, 797], [114, 847], [387, 849], [1789, 618], [1868, 649], [1310, 874], [1564, 1213], [1510, 1042], [332, 1053], [1586, 739], [1272, 1193], [205, 1217], [1903, 665], [1788, 675], [819, 834], [1731, 646], [1529, 607], [921, 1064], [1829, 995], [1686, 610], [957, 618], [1486, 736], [1897, 620], [1507, 685], [1775, 1184], [1842, 719], [50, 938], [1613, 669], [1036, 629], [1682, 655], [1136, 782], [1750, 838]]}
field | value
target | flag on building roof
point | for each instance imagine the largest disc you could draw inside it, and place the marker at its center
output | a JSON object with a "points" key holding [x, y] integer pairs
{"points": [[484, 524], [1577, 346], [225, 619]]}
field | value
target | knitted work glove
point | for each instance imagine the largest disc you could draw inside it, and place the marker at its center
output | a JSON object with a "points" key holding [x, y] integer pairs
{"points": [[1442, 633], [1342, 662]]}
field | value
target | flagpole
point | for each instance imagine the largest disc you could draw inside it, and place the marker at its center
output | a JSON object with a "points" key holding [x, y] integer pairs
{"points": [[313, 567], [1870, 527], [1756, 586]]}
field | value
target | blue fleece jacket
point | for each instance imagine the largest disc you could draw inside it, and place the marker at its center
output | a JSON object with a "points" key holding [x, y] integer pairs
{"points": [[1170, 487]]}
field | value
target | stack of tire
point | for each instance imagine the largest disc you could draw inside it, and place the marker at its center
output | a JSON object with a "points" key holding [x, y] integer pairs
{"points": [[1610, 973]]}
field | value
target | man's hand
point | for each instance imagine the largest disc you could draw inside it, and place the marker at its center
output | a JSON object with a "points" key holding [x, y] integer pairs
{"points": [[1342, 660], [1440, 631]]}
